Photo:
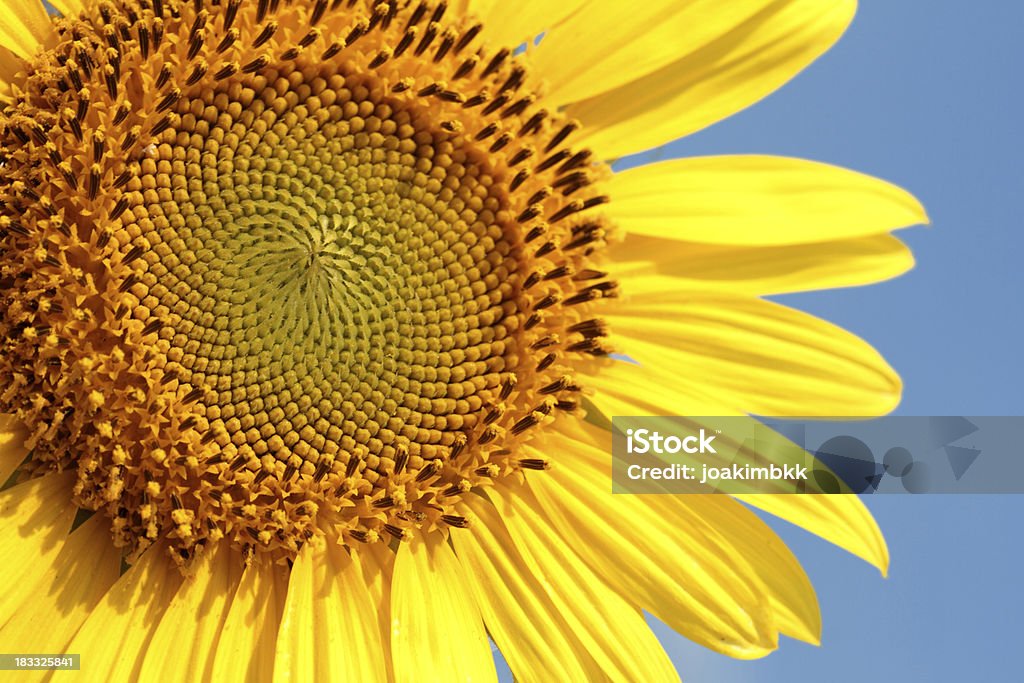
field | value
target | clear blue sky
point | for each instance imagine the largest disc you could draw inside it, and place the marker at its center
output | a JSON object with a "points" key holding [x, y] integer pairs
{"points": [[928, 95]]}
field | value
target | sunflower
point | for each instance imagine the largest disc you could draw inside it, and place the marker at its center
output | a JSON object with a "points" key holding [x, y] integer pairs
{"points": [[314, 314]]}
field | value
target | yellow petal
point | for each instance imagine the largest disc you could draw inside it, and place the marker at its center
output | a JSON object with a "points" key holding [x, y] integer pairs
{"points": [[738, 532], [331, 628], [650, 264], [527, 626], [757, 200], [12, 446], [657, 551], [757, 356], [183, 645], [25, 27], [116, 636], [35, 518], [721, 78], [509, 24], [57, 600], [245, 650], [841, 519], [611, 43], [437, 633], [613, 631]]}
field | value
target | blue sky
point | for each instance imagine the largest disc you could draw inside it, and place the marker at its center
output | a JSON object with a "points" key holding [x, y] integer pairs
{"points": [[927, 95]]}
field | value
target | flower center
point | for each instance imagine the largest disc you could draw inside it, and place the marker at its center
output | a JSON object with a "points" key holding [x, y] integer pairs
{"points": [[275, 271]]}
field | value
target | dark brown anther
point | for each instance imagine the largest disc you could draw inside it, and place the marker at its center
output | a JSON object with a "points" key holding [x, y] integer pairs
{"points": [[496, 61], [431, 89], [163, 77], [467, 37], [545, 249], [331, 51], [309, 38], [123, 109], [401, 459], [547, 301], [128, 283], [260, 477], [417, 15], [452, 96], [22, 135], [197, 74], [406, 41], [402, 85], [102, 242], [169, 100], [395, 532], [266, 34], [38, 133], [291, 53], [162, 125], [487, 131], [520, 178], [385, 502], [573, 207], [460, 443], [534, 320], [151, 327], [546, 362], [534, 464], [428, 38], [493, 414], [429, 470], [111, 79], [583, 297], [529, 213], [578, 159], [456, 521], [230, 14], [321, 471], [496, 104], [507, 386], [357, 32], [514, 80], [256, 65], [158, 8], [447, 41], [536, 232], [525, 423], [590, 328], [566, 130], [466, 67], [533, 124], [69, 176], [226, 71], [501, 142], [521, 156], [318, 12], [359, 535], [519, 107], [475, 101], [94, 182], [555, 158], [351, 466], [193, 396], [122, 179], [83, 109], [544, 342], [382, 57], [228, 40], [261, 10], [134, 253], [195, 44]]}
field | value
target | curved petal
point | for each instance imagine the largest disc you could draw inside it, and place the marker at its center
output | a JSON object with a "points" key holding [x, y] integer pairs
{"points": [[613, 631], [509, 24], [118, 632], [656, 551], [583, 455], [69, 8], [25, 27], [245, 649], [56, 601], [35, 518], [650, 264], [526, 625], [610, 43], [330, 629], [840, 519], [437, 633], [757, 356], [757, 200], [12, 446], [721, 78], [190, 627]]}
